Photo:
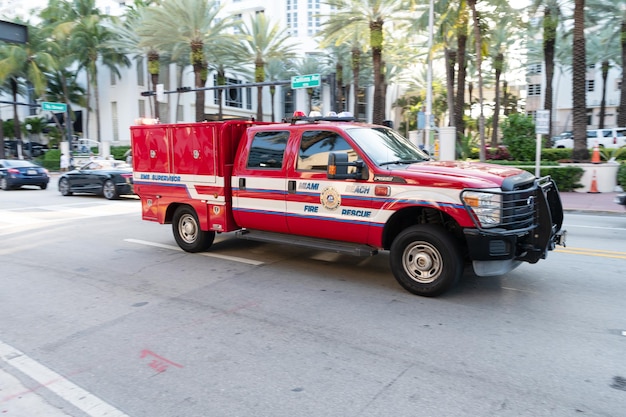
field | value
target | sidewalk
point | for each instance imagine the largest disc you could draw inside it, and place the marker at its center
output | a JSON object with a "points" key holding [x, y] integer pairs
{"points": [[591, 202]]}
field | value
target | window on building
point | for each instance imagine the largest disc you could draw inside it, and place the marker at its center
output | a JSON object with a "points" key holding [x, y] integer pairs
{"points": [[267, 149], [618, 84], [142, 108], [361, 105], [532, 113], [113, 77], [248, 98], [534, 89], [590, 85], [288, 101], [180, 113], [115, 122], [534, 69]]}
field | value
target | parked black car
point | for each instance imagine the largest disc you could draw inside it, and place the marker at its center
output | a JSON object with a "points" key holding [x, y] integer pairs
{"points": [[30, 149], [105, 177], [14, 173]]}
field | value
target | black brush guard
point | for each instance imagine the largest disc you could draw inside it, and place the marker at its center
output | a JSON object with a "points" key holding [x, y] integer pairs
{"points": [[531, 220]]}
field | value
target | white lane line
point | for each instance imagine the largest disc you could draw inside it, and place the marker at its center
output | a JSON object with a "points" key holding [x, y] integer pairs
{"points": [[594, 227], [72, 393], [210, 255]]}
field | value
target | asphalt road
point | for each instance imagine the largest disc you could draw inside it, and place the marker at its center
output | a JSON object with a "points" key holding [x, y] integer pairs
{"points": [[102, 315]]}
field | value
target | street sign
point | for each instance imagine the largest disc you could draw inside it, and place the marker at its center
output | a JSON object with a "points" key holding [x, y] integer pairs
{"points": [[57, 107], [306, 81], [542, 122]]}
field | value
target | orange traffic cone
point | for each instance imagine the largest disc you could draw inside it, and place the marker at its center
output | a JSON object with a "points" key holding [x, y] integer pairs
{"points": [[594, 184], [595, 157]]}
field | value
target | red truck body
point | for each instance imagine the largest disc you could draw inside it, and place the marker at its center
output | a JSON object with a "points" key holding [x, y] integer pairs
{"points": [[343, 186]]}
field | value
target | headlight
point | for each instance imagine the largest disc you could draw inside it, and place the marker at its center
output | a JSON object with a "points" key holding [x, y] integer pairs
{"points": [[487, 207]]}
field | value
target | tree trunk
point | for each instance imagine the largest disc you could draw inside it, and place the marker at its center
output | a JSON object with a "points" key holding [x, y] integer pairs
{"points": [[579, 69], [621, 117], [498, 64], [549, 42], [356, 68], [479, 60], [605, 74], [450, 57], [459, 107], [376, 43], [339, 86]]}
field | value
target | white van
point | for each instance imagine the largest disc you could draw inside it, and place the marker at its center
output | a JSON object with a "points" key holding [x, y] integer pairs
{"points": [[605, 138]]}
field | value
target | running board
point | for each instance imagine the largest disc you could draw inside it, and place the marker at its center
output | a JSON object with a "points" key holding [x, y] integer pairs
{"points": [[309, 242]]}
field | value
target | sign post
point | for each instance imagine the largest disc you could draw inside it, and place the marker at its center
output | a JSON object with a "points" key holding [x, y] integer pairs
{"points": [[542, 127]]}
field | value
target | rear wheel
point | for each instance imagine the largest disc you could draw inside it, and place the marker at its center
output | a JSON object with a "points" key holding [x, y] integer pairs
{"points": [[187, 232], [4, 184], [425, 260], [109, 191], [64, 187]]}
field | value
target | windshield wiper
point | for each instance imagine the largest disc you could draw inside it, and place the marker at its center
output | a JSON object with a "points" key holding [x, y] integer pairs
{"points": [[401, 162]]}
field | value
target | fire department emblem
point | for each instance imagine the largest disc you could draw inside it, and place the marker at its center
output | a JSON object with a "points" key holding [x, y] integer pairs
{"points": [[330, 198]]}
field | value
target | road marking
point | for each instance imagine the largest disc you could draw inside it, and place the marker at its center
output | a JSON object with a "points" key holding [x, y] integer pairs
{"points": [[210, 255], [595, 227], [70, 392], [593, 252]]}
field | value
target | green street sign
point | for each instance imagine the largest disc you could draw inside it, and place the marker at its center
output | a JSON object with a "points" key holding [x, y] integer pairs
{"points": [[58, 107], [306, 81]]}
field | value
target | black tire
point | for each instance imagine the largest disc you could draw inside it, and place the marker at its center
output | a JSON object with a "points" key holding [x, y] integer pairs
{"points": [[426, 260], [187, 232], [64, 187], [43, 185], [4, 184], [109, 190]]}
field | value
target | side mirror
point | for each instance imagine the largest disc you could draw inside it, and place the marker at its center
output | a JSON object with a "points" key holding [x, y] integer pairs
{"points": [[338, 167]]}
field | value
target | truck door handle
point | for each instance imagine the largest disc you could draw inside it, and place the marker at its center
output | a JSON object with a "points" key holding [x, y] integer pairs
{"points": [[291, 187], [242, 183]]}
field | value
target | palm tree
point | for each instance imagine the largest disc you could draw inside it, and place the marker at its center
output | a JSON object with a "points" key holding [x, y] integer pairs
{"points": [[602, 47], [197, 26], [613, 16], [355, 15], [263, 40], [333, 35], [276, 70], [579, 66], [89, 38], [25, 63], [126, 40], [503, 36]]}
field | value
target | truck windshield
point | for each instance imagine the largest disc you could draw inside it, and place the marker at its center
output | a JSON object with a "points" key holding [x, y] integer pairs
{"points": [[386, 147]]}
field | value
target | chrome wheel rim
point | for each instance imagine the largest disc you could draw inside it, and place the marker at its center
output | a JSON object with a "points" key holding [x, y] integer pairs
{"points": [[422, 262]]}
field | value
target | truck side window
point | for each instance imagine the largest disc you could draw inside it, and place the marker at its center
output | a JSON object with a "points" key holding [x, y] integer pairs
{"points": [[267, 149], [315, 145]]}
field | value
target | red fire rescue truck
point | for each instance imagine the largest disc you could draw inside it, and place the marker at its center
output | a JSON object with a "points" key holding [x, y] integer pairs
{"points": [[334, 184]]}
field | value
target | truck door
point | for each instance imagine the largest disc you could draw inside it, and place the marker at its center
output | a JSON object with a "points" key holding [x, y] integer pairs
{"points": [[323, 208], [259, 183]]}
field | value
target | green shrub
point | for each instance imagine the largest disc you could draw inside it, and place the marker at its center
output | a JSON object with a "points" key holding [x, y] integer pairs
{"points": [[566, 178], [556, 154], [51, 160], [518, 134]]}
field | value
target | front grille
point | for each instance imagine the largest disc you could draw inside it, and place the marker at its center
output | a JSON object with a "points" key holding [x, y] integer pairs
{"points": [[518, 209]]}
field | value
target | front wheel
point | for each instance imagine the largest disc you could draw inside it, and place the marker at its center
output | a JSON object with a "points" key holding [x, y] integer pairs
{"points": [[4, 184], [109, 190], [64, 187], [187, 232], [425, 260]]}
